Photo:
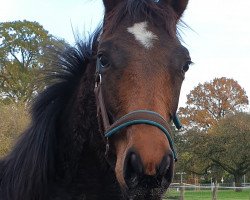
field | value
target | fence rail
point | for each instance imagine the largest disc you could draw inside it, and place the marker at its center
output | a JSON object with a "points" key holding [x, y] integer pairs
{"points": [[207, 192]]}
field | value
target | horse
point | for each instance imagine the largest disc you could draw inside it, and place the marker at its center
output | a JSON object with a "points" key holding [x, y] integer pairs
{"points": [[101, 128]]}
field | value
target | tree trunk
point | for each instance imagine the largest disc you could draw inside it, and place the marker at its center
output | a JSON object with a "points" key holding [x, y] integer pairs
{"points": [[237, 179]]}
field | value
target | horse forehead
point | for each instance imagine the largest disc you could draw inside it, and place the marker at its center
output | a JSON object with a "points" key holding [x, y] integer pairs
{"points": [[142, 34]]}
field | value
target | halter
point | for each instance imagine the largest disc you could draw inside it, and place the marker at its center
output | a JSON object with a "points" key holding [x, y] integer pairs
{"points": [[133, 118]]}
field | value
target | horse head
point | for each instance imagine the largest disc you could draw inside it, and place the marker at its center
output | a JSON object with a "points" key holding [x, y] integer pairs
{"points": [[141, 65]]}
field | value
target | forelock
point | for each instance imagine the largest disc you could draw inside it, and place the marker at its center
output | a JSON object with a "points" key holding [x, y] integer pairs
{"points": [[158, 14]]}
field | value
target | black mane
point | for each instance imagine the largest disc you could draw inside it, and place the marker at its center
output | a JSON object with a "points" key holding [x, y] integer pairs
{"points": [[28, 171]]}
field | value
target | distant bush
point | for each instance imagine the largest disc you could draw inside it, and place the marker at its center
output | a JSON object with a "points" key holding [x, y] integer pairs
{"points": [[14, 118]]}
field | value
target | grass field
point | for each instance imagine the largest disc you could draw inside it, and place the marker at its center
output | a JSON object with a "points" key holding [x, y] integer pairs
{"points": [[207, 195]]}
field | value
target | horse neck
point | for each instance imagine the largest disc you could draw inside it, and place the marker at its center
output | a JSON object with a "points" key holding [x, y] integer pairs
{"points": [[79, 123], [53, 144], [84, 111], [82, 144]]}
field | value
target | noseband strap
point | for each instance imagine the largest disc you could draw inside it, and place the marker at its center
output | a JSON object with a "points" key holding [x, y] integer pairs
{"points": [[142, 117], [132, 118]]}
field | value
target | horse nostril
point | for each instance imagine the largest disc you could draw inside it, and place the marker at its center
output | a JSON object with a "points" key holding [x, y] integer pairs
{"points": [[164, 165], [135, 163], [133, 168]]}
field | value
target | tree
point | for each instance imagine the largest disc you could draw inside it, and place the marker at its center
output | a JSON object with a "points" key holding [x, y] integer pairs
{"points": [[189, 145], [23, 45], [209, 102], [228, 146], [224, 147]]}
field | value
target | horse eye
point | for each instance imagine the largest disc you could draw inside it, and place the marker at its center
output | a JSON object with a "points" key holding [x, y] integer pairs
{"points": [[185, 68], [103, 61]]}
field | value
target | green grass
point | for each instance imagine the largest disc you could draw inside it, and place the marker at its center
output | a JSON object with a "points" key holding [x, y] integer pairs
{"points": [[207, 195]]}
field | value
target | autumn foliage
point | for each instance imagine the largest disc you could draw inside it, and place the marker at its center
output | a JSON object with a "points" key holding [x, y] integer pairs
{"points": [[217, 136], [211, 101]]}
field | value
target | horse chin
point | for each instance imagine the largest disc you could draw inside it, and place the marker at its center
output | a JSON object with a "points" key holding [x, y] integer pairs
{"points": [[146, 193]]}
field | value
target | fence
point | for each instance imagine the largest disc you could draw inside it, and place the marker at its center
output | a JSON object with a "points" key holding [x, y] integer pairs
{"points": [[207, 192]]}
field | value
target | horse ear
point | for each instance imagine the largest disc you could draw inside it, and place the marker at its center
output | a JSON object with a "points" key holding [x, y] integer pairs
{"points": [[179, 6], [110, 4]]}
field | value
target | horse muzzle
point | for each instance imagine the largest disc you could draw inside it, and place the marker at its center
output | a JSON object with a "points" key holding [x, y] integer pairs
{"points": [[149, 175]]}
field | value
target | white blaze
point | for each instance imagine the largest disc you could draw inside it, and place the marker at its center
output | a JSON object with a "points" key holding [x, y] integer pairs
{"points": [[144, 36]]}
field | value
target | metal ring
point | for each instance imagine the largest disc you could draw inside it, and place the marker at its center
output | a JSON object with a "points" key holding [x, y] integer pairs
{"points": [[98, 80]]}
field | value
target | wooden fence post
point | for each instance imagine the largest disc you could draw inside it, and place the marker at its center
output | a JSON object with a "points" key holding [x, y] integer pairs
{"points": [[214, 193], [181, 192]]}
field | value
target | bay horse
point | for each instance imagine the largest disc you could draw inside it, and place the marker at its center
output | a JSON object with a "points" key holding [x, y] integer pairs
{"points": [[100, 130]]}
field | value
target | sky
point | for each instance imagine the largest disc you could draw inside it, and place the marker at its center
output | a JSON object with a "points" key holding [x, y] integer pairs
{"points": [[218, 38]]}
